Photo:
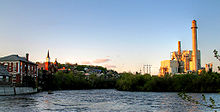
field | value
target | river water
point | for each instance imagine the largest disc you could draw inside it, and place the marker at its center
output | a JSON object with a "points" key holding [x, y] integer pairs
{"points": [[103, 100]]}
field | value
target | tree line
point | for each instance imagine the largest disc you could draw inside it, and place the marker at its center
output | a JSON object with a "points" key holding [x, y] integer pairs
{"points": [[205, 82], [75, 80]]}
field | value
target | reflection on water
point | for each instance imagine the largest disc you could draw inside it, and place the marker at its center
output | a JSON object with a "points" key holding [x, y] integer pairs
{"points": [[101, 100]]}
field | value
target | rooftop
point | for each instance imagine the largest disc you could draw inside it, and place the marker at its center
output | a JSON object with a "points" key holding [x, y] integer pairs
{"points": [[15, 58]]}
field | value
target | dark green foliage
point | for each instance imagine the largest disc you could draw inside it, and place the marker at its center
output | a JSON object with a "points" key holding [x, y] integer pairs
{"points": [[78, 77], [217, 56], [205, 82], [130, 82], [29, 81], [70, 81], [76, 80], [45, 80]]}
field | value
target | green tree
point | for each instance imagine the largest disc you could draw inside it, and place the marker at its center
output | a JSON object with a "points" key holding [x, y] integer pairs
{"points": [[217, 56]]}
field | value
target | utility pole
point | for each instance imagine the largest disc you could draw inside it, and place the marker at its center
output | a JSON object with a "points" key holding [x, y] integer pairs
{"points": [[144, 68], [147, 68], [150, 69], [140, 71]]}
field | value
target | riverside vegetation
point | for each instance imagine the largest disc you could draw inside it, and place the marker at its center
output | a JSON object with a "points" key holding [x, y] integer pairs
{"points": [[78, 77], [76, 80], [205, 82]]}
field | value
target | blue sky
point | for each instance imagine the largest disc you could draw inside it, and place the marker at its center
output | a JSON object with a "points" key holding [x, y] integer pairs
{"points": [[127, 33]]}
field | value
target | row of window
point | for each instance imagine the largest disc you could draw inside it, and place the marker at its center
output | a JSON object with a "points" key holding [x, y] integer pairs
{"points": [[13, 67]]}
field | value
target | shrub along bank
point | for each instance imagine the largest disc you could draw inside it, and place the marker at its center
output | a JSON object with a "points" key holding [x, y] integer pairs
{"points": [[77, 80], [205, 82]]}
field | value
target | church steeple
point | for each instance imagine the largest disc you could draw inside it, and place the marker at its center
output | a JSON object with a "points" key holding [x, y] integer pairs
{"points": [[48, 57], [47, 63]]}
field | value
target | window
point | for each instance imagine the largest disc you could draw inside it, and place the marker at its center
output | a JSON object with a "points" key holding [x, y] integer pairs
{"points": [[9, 67], [14, 67]]}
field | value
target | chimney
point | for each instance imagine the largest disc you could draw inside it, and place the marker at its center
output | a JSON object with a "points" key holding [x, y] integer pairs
{"points": [[27, 56], [194, 46]]}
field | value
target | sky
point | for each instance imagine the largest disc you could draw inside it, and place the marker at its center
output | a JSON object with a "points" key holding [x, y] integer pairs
{"points": [[122, 35]]}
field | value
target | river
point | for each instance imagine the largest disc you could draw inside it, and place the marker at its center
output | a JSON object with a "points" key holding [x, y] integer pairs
{"points": [[103, 100]]}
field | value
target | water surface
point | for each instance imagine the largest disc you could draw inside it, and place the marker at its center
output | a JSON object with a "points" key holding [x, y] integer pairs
{"points": [[104, 100]]}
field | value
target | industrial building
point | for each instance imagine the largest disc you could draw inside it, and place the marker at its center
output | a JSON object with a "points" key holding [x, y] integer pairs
{"points": [[183, 61]]}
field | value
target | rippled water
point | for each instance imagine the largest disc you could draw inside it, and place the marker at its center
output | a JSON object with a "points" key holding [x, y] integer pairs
{"points": [[102, 100]]}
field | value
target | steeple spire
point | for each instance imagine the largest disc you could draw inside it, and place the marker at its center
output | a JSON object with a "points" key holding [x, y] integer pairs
{"points": [[48, 57]]}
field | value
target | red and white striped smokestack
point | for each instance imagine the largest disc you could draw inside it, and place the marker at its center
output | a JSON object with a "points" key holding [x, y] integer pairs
{"points": [[194, 45]]}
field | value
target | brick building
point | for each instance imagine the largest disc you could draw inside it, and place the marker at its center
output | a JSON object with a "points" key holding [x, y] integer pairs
{"points": [[18, 67]]}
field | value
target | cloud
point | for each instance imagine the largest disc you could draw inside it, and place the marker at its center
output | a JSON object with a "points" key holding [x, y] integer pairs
{"points": [[101, 60], [110, 66], [86, 62]]}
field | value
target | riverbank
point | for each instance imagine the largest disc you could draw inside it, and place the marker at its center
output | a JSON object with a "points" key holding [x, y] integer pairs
{"points": [[8, 90]]}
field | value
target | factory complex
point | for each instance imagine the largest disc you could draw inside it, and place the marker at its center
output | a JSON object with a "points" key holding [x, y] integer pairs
{"points": [[184, 61]]}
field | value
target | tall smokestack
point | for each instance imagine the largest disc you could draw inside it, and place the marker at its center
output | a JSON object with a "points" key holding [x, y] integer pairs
{"points": [[179, 48], [194, 45]]}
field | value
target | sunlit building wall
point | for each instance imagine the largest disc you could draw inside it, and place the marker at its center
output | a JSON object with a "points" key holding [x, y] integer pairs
{"points": [[169, 66]]}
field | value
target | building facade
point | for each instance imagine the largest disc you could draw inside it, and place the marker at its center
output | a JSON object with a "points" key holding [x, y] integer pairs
{"points": [[18, 67], [169, 66]]}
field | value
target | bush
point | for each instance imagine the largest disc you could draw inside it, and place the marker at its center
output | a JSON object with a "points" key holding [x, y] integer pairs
{"points": [[205, 82]]}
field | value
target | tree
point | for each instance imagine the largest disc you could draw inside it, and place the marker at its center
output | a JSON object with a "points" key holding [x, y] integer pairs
{"points": [[209, 103], [217, 56]]}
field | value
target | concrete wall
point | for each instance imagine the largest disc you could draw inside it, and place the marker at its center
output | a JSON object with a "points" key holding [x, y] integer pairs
{"points": [[5, 90], [172, 66]]}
